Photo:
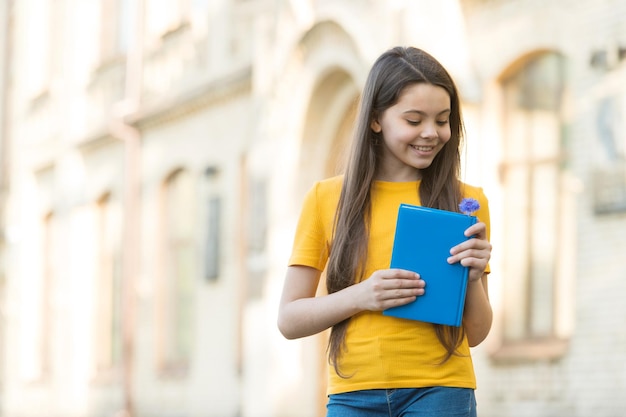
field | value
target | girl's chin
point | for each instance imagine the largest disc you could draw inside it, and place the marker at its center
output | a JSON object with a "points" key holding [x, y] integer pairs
{"points": [[422, 163]]}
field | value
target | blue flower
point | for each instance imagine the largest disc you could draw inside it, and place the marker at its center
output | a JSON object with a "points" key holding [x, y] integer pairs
{"points": [[469, 206]]}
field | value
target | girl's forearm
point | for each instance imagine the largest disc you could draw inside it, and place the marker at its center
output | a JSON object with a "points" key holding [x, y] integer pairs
{"points": [[478, 316], [308, 316]]}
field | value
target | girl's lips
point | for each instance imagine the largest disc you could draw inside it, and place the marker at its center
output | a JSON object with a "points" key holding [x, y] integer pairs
{"points": [[423, 148]]}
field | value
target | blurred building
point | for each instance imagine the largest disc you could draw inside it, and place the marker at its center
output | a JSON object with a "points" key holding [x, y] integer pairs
{"points": [[156, 153]]}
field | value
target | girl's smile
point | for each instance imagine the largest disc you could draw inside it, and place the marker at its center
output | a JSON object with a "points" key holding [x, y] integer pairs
{"points": [[423, 150]]}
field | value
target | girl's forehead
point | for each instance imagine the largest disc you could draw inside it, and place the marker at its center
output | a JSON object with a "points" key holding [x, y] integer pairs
{"points": [[423, 95], [421, 86]]}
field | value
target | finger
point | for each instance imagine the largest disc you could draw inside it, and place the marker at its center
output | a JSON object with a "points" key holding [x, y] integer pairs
{"points": [[403, 284], [477, 229], [395, 302], [396, 273], [482, 254], [478, 263], [402, 294], [472, 244]]}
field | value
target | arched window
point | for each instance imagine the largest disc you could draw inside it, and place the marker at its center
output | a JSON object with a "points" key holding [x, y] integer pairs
{"points": [[114, 28], [178, 272], [536, 217], [108, 296], [48, 290]]}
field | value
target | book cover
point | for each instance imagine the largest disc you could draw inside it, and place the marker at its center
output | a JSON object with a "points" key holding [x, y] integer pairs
{"points": [[422, 243]]}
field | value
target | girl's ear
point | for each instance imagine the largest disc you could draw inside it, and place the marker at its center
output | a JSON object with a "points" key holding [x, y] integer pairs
{"points": [[375, 126]]}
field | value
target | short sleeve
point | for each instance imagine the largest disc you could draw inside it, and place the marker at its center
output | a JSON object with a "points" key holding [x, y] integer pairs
{"points": [[310, 246]]}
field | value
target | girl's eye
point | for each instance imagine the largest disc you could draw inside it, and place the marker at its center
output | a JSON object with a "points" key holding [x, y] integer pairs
{"points": [[417, 122]]}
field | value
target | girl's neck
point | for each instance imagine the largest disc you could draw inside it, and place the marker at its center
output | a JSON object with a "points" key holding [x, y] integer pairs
{"points": [[409, 176]]}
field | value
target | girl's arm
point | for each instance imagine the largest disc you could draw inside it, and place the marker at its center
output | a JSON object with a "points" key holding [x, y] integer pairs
{"points": [[475, 254], [478, 315], [302, 314]]}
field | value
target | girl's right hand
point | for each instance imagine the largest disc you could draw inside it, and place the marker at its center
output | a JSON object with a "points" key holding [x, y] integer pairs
{"points": [[388, 288], [302, 313]]}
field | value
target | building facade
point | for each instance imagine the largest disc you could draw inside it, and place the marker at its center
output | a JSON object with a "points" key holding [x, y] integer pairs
{"points": [[155, 155]]}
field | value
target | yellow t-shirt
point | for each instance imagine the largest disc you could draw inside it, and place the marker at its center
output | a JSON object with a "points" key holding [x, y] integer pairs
{"points": [[382, 352]]}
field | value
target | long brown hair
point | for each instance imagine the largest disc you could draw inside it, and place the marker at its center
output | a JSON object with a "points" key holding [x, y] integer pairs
{"points": [[392, 72]]}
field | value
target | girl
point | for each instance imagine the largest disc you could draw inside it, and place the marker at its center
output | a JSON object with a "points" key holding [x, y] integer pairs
{"points": [[406, 150]]}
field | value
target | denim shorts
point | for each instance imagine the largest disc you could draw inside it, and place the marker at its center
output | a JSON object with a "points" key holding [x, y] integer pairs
{"points": [[411, 402]]}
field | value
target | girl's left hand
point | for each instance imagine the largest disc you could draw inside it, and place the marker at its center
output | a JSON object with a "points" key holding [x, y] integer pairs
{"points": [[473, 253]]}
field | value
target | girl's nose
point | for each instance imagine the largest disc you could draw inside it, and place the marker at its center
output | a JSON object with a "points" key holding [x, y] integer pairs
{"points": [[429, 131]]}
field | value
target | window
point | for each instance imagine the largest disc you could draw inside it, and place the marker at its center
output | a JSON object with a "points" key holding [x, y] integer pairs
{"points": [[165, 16], [212, 260], [108, 302], [212, 231], [46, 321], [535, 232], [255, 232], [39, 47], [114, 28], [179, 272]]}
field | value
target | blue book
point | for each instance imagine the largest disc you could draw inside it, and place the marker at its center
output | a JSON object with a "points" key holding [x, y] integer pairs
{"points": [[422, 243]]}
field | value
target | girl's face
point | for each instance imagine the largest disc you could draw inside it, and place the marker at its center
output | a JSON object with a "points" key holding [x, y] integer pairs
{"points": [[414, 130]]}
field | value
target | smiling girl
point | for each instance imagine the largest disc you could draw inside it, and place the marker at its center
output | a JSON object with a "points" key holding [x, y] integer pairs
{"points": [[406, 149]]}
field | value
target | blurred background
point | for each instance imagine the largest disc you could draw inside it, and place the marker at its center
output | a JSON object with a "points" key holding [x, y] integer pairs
{"points": [[153, 159]]}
